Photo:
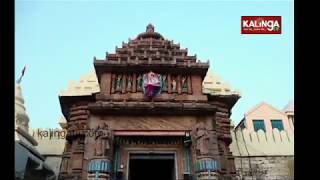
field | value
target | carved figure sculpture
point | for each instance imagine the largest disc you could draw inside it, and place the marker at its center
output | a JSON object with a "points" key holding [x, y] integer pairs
{"points": [[202, 138], [164, 83], [119, 83], [129, 85], [184, 83], [174, 85], [139, 82], [102, 140]]}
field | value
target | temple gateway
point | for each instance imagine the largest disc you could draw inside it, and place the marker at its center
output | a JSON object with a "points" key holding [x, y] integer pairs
{"points": [[150, 119]]}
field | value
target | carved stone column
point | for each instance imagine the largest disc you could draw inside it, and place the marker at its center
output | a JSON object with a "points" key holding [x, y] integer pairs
{"points": [[189, 85], [169, 83], [134, 83], [179, 84], [113, 83], [105, 85], [224, 137], [73, 156], [124, 83], [206, 150]]}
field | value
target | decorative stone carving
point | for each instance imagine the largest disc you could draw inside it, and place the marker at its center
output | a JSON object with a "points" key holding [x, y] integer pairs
{"points": [[151, 84], [99, 169], [202, 139], [184, 84], [113, 85], [174, 85], [102, 139], [129, 83], [207, 169], [164, 83], [197, 159], [119, 82], [139, 82]]}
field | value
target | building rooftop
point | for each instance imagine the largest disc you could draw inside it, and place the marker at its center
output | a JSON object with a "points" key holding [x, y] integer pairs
{"points": [[289, 107], [213, 84], [87, 85]]}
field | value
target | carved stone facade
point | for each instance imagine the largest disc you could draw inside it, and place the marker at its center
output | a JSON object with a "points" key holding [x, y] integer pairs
{"points": [[110, 132]]}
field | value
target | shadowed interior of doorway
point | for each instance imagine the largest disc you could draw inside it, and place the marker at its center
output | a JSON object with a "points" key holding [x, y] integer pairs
{"points": [[151, 167]]}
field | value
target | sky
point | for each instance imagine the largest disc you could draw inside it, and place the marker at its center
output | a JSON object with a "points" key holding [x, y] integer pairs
{"points": [[57, 40]]}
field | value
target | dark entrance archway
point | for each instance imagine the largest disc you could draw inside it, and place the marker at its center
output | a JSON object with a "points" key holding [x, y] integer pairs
{"points": [[152, 166]]}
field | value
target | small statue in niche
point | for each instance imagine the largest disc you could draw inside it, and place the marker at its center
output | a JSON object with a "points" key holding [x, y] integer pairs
{"points": [[102, 139], [174, 85], [129, 85], [184, 83], [202, 139], [119, 83], [139, 83], [164, 83]]}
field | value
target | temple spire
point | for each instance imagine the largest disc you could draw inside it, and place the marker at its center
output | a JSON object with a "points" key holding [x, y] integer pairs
{"points": [[150, 28], [21, 117]]}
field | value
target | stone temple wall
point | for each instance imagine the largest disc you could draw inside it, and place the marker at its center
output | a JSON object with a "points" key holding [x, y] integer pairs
{"points": [[265, 168], [263, 155]]}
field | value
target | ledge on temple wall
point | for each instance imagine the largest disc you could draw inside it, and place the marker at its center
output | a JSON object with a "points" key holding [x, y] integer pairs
{"points": [[262, 143]]}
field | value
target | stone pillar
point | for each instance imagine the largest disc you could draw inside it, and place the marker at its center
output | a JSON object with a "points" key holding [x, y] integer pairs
{"points": [[207, 163], [189, 85], [187, 157], [134, 83], [113, 83], [196, 85], [169, 83], [224, 136], [124, 83], [100, 162], [179, 84], [105, 85]]}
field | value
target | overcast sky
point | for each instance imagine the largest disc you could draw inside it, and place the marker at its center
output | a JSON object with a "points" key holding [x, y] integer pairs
{"points": [[58, 40]]}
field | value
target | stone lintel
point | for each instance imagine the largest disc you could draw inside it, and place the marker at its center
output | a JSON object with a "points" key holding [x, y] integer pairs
{"points": [[149, 108]]}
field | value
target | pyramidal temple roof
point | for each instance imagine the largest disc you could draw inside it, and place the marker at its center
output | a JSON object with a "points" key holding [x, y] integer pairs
{"points": [[150, 45], [213, 84], [87, 85], [148, 51]]}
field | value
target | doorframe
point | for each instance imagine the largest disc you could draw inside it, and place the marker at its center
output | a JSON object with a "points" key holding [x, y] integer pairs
{"points": [[144, 151]]}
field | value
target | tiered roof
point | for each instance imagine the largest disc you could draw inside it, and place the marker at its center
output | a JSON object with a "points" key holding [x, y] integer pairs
{"points": [[150, 51]]}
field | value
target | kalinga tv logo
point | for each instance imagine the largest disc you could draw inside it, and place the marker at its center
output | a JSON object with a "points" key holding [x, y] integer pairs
{"points": [[260, 24]]}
